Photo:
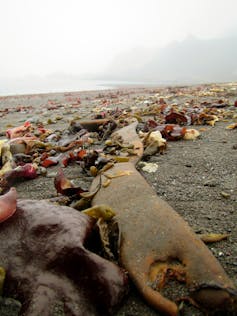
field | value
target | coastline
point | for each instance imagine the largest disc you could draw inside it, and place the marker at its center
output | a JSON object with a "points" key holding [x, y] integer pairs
{"points": [[23, 87]]}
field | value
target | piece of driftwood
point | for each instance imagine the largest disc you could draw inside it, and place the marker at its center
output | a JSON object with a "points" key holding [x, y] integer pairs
{"points": [[156, 244]]}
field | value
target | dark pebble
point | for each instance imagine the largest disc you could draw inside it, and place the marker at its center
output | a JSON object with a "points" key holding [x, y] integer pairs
{"points": [[188, 165], [210, 184]]}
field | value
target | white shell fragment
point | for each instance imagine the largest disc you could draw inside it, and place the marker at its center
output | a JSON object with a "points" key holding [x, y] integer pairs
{"points": [[149, 167]]}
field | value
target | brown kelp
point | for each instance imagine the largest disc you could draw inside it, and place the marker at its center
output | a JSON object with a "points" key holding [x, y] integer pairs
{"points": [[157, 245]]}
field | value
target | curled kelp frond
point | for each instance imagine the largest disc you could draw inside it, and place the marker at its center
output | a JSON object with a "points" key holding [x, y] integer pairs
{"points": [[212, 237], [153, 142], [64, 186], [232, 126], [177, 118], [18, 131], [100, 211], [7, 204]]}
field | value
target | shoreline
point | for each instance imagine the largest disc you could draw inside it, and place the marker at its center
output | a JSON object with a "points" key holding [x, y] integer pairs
{"points": [[107, 86]]}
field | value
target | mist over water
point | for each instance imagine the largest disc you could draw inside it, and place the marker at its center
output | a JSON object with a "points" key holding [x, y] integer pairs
{"points": [[191, 61], [55, 46], [35, 86], [46, 85]]}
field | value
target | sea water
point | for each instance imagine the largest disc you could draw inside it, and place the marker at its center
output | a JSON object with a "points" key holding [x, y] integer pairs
{"points": [[35, 85]]}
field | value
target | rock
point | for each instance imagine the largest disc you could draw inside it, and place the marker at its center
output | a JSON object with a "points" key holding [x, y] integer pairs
{"points": [[225, 194], [210, 183]]}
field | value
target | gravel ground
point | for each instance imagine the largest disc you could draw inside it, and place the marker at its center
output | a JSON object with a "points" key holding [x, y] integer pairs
{"points": [[197, 178]]}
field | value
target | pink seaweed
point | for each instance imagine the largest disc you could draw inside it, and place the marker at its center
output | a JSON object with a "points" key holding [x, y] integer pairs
{"points": [[7, 204]]}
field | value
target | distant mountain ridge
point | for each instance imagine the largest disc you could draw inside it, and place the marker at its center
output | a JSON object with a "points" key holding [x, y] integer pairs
{"points": [[192, 60]]}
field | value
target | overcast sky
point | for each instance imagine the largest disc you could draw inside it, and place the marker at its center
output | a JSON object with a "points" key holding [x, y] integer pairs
{"points": [[40, 37]]}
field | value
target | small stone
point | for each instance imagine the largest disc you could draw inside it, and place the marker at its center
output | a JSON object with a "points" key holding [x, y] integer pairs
{"points": [[42, 171], [34, 120], [58, 118], [52, 152], [50, 121], [210, 183], [188, 165], [225, 194], [51, 175]]}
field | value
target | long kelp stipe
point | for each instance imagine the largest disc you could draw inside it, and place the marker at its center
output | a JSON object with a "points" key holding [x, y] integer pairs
{"points": [[156, 244]]}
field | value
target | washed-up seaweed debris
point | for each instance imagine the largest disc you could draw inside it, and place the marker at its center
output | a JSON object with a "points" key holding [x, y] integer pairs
{"points": [[11, 176], [43, 148], [212, 237], [171, 132], [48, 266], [157, 245], [32, 142], [178, 113], [65, 186]]}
